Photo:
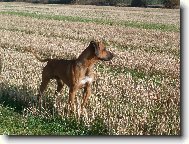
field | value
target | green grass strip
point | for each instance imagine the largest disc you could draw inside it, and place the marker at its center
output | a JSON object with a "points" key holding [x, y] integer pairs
{"points": [[13, 123], [134, 24]]}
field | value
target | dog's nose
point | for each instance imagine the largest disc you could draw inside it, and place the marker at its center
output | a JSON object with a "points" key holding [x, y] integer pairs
{"points": [[114, 55]]}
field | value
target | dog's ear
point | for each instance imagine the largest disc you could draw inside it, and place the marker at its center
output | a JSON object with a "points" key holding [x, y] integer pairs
{"points": [[95, 46]]}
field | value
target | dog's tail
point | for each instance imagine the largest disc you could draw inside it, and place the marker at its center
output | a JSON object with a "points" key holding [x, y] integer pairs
{"points": [[37, 57], [40, 59]]}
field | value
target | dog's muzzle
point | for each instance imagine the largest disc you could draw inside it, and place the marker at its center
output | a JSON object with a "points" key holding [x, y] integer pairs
{"points": [[108, 57]]}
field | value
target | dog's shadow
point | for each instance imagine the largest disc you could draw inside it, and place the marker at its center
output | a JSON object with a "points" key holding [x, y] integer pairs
{"points": [[11, 96], [19, 99]]}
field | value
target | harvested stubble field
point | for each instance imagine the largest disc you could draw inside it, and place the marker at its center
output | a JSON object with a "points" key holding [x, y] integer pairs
{"points": [[137, 93]]}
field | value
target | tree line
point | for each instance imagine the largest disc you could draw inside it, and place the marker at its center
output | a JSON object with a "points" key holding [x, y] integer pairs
{"points": [[132, 3]]}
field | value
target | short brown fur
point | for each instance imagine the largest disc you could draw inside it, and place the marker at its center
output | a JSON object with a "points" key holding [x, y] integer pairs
{"points": [[76, 73]]}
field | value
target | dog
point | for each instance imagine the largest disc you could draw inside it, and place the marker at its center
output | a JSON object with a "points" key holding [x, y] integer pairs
{"points": [[76, 73]]}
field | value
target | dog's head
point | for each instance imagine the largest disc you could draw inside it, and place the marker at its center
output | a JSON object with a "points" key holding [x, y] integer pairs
{"points": [[100, 51]]}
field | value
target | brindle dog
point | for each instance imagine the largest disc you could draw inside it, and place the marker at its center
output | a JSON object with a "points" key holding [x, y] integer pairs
{"points": [[76, 73]]}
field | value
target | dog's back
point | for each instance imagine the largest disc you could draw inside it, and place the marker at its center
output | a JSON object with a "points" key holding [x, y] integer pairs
{"points": [[59, 69]]}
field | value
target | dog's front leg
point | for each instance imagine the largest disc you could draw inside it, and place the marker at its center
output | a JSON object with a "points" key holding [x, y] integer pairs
{"points": [[72, 94], [86, 94]]}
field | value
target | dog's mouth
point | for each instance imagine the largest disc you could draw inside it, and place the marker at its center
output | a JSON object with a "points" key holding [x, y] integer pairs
{"points": [[107, 58], [108, 62], [104, 59]]}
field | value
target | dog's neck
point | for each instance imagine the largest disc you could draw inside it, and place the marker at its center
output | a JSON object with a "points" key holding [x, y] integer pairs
{"points": [[87, 62], [87, 59]]}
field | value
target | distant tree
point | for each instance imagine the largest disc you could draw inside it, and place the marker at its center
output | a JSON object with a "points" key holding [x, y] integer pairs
{"points": [[171, 3], [112, 2], [138, 3], [6, 0]]}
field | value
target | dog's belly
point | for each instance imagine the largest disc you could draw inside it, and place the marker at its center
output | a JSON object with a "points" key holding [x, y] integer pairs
{"points": [[86, 79]]}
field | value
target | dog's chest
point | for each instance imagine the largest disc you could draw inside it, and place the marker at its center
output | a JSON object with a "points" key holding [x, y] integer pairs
{"points": [[86, 79]]}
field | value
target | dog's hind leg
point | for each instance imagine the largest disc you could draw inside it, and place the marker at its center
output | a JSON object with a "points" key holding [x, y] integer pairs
{"points": [[58, 90], [45, 81], [60, 85]]}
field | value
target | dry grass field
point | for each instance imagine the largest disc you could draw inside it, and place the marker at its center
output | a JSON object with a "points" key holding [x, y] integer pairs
{"points": [[137, 93]]}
